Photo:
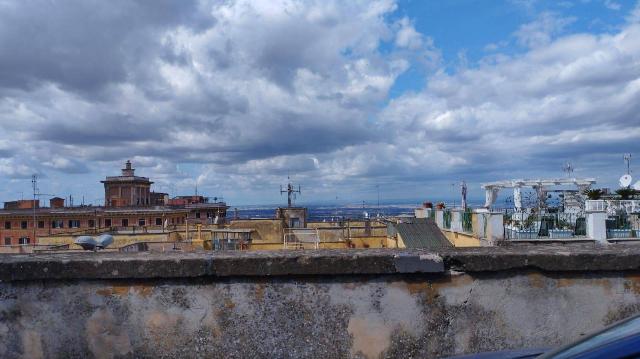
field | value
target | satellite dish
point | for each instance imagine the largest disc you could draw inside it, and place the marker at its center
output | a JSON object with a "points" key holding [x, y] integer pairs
{"points": [[625, 180], [636, 186], [104, 241], [86, 242], [89, 243]]}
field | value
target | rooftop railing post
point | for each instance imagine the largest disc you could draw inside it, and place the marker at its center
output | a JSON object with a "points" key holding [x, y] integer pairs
{"points": [[596, 225], [456, 220], [440, 218], [495, 224]]}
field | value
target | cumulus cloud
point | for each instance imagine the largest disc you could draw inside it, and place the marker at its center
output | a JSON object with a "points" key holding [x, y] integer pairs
{"points": [[540, 31], [575, 98], [634, 15], [612, 5], [194, 81]]}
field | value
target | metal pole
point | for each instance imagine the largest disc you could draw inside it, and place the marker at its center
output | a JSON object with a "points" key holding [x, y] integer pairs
{"points": [[378, 190], [34, 180]]}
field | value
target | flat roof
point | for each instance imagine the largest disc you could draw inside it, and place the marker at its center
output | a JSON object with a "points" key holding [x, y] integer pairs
{"points": [[93, 209], [539, 182]]}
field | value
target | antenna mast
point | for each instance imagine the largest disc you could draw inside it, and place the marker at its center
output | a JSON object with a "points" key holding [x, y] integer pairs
{"points": [[34, 185], [463, 190], [568, 169], [627, 159], [290, 191]]}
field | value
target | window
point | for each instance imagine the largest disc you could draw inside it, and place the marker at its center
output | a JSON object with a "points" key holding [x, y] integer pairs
{"points": [[7, 225], [107, 222], [125, 222], [23, 224], [57, 223], [24, 240], [92, 223], [74, 223], [141, 222], [7, 241], [197, 214], [158, 221], [40, 224]]}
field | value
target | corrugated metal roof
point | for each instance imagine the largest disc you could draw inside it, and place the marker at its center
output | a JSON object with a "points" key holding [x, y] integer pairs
{"points": [[422, 233]]}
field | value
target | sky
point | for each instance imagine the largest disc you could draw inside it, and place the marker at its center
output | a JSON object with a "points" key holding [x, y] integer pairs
{"points": [[351, 99]]}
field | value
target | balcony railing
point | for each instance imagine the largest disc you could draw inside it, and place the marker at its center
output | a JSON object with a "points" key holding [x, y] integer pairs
{"points": [[545, 226]]}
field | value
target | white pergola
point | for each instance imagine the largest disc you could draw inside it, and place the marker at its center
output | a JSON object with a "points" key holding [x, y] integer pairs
{"points": [[493, 188]]}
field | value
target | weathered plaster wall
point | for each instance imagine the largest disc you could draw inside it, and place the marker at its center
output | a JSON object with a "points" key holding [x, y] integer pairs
{"points": [[460, 239], [266, 230], [342, 304], [119, 240]]}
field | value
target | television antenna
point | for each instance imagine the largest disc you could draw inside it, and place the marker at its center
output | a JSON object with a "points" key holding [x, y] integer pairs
{"points": [[627, 159], [34, 185], [568, 169], [626, 179], [463, 190], [290, 191]]}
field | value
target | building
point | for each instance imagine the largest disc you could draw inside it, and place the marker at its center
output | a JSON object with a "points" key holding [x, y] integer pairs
{"points": [[130, 206], [20, 226], [294, 217], [185, 200], [127, 189], [22, 204], [159, 198]]}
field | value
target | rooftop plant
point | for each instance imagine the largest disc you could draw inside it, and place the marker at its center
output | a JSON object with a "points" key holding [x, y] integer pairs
{"points": [[625, 193], [593, 193]]}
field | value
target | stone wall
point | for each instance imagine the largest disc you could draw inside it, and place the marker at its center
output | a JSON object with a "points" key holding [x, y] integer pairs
{"points": [[327, 303]]}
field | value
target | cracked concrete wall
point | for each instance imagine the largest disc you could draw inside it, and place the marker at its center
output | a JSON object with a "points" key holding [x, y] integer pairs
{"points": [[349, 316]]}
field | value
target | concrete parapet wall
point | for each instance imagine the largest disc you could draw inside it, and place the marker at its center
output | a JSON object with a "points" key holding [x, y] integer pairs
{"points": [[326, 303], [461, 239], [266, 230]]}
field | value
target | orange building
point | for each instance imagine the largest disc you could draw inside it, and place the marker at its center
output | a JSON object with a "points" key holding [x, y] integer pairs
{"points": [[129, 207], [127, 189]]}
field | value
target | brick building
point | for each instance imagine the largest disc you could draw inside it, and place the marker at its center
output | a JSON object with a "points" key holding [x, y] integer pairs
{"points": [[130, 205], [127, 189]]}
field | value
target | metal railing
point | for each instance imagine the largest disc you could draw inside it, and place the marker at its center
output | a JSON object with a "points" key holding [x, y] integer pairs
{"points": [[545, 226], [623, 226], [467, 222], [301, 238], [613, 206], [446, 219]]}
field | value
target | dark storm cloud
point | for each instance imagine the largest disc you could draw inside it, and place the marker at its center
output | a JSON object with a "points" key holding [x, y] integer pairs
{"points": [[103, 130]]}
